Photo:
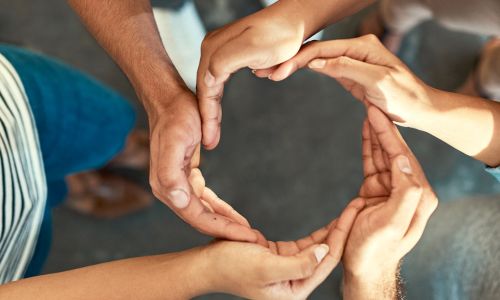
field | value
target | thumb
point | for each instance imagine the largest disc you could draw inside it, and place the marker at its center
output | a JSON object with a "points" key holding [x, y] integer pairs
{"points": [[405, 195], [299, 266]]}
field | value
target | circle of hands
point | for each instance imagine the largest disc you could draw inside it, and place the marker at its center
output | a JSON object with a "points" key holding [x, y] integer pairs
{"points": [[373, 232]]}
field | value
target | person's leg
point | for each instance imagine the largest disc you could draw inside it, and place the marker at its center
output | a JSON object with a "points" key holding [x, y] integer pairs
{"points": [[459, 255], [393, 19], [81, 125]]}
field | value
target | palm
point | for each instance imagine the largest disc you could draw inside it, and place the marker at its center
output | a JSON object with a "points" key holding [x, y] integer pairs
{"points": [[376, 168]]}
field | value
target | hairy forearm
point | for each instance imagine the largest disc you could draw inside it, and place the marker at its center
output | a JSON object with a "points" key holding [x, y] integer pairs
{"points": [[172, 276], [126, 29], [469, 124], [381, 287]]}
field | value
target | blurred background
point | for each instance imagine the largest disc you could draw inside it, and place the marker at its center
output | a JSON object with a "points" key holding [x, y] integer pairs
{"points": [[290, 155]]}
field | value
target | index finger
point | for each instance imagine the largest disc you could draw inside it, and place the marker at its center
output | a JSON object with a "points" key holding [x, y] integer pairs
{"points": [[366, 48]]}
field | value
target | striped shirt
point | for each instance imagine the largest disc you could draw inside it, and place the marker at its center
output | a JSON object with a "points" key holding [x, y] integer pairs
{"points": [[23, 188]]}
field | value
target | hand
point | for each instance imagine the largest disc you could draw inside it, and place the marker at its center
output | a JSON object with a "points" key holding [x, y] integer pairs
{"points": [[175, 137], [399, 203], [370, 72], [282, 270], [261, 40]]}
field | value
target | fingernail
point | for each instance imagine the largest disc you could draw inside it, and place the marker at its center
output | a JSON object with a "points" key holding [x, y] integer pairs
{"points": [[179, 198], [404, 164], [254, 71], [209, 79], [317, 64], [321, 251], [270, 76]]}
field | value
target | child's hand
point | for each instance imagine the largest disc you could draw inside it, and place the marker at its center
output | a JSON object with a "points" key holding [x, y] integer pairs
{"points": [[364, 67]]}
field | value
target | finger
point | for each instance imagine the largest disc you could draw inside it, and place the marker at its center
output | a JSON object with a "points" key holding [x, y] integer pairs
{"points": [[338, 234], [196, 159], [197, 182], [368, 165], [425, 209], [387, 134], [377, 185], [238, 52], [264, 73], [337, 239], [405, 195], [378, 154], [300, 266], [367, 48], [219, 226], [172, 165], [223, 208], [292, 247], [316, 237], [209, 102], [363, 74]]}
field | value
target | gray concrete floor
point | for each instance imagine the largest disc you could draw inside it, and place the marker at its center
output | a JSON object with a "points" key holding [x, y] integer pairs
{"points": [[289, 159]]}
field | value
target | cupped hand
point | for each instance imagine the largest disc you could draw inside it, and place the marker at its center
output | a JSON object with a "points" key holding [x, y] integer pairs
{"points": [[370, 72], [175, 134], [280, 270], [261, 40], [399, 201]]}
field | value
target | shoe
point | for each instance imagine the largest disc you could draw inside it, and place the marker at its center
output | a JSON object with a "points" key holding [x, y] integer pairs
{"points": [[102, 195], [135, 155], [182, 33], [318, 36]]}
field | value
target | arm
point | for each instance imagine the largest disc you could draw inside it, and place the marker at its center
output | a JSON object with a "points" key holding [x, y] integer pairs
{"points": [[260, 42], [399, 202], [128, 32], [373, 74], [282, 270], [156, 277]]}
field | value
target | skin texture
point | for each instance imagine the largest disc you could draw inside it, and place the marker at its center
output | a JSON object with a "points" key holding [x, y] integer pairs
{"points": [[399, 202], [268, 270], [127, 31], [260, 41], [373, 74]]}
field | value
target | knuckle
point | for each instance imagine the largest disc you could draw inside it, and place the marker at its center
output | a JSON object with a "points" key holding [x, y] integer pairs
{"points": [[307, 266], [343, 61], [207, 42], [415, 190], [371, 38]]}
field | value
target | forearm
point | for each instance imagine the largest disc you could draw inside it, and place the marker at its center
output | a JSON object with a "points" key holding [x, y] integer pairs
{"points": [[126, 29], [172, 276], [383, 287], [318, 14], [469, 124]]}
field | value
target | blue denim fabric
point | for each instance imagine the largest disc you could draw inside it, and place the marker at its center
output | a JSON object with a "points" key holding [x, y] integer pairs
{"points": [[495, 172], [81, 125]]}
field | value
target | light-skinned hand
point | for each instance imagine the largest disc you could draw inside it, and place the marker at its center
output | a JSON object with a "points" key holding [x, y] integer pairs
{"points": [[399, 202], [279, 270], [370, 72], [259, 41]]}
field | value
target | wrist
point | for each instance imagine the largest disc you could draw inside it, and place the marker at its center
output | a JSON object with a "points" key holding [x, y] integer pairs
{"points": [[193, 273], [157, 90], [423, 114], [372, 284]]}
